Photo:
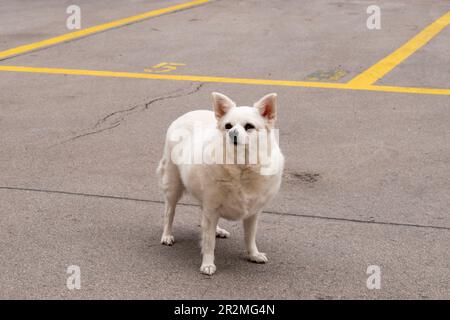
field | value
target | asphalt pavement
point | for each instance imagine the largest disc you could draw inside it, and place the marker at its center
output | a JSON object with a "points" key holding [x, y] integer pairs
{"points": [[82, 125]]}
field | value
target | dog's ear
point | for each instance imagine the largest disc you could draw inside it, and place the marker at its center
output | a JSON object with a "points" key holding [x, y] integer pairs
{"points": [[267, 107], [222, 104]]}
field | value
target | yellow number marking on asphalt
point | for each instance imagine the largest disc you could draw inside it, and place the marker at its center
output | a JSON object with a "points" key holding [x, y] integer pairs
{"points": [[164, 67]]}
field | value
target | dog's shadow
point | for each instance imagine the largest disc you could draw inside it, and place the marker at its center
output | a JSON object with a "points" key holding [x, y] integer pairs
{"points": [[186, 251]]}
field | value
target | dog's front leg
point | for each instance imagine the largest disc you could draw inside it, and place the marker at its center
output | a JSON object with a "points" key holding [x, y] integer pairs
{"points": [[250, 240], [209, 224]]}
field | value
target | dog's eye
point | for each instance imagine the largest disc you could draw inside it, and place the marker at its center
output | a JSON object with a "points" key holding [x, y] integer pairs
{"points": [[228, 126], [249, 126]]}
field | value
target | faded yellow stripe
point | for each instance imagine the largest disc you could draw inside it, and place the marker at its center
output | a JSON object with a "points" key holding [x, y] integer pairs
{"points": [[116, 74], [96, 29], [381, 68], [395, 89], [249, 81]]}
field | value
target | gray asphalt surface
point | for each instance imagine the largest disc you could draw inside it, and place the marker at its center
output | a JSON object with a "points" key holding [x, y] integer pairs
{"points": [[367, 178]]}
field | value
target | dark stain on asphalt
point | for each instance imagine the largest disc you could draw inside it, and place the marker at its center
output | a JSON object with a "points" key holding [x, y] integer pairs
{"points": [[305, 177]]}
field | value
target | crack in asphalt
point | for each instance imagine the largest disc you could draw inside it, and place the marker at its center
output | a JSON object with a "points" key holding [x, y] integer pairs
{"points": [[145, 106], [114, 119], [196, 205]]}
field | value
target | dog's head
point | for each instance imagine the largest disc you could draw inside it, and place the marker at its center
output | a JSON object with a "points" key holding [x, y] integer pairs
{"points": [[239, 123]]}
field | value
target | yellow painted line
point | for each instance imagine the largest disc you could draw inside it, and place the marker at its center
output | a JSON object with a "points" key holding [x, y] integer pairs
{"points": [[249, 81], [99, 28], [135, 75], [417, 90], [381, 68]]}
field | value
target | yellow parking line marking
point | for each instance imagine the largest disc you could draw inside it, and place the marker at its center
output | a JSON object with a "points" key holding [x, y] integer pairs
{"points": [[135, 75], [417, 90], [381, 68], [193, 78], [96, 29]]}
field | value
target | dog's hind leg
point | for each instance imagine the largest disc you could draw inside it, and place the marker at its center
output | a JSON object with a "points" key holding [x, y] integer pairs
{"points": [[173, 190], [222, 233]]}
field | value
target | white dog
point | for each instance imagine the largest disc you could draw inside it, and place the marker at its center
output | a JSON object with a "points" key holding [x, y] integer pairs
{"points": [[236, 190]]}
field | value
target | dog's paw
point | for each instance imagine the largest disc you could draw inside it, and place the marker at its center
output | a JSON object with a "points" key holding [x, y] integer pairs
{"points": [[258, 257], [208, 269], [167, 240], [222, 233]]}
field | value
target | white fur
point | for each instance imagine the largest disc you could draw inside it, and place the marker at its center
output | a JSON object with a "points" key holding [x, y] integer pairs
{"points": [[230, 191]]}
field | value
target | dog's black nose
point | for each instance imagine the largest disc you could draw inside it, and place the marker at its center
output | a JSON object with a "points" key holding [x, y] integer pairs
{"points": [[234, 136]]}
